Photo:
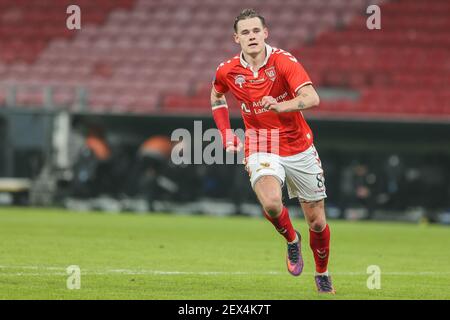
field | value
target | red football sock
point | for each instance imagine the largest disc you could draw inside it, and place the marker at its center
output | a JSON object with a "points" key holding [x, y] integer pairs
{"points": [[320, 245], [283, 224]]}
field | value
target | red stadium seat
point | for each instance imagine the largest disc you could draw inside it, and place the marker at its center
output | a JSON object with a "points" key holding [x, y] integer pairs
{"points": [[151, 56]]}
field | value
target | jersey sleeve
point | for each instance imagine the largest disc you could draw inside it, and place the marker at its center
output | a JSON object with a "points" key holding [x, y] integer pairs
{"points": [[219, 82], [294, 73]]}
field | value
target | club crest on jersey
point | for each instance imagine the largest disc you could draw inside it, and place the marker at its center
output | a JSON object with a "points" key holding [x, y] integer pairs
{"points": [[239, 80], [270, 72]]}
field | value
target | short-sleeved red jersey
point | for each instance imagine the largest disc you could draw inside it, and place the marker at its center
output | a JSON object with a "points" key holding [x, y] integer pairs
{"points": [[280, 76]]}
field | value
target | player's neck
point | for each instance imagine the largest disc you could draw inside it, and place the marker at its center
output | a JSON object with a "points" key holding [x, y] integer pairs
{"points": [[255, 61]]}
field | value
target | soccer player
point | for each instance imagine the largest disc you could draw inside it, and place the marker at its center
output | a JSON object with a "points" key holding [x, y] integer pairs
{"points": [[273, 89]]}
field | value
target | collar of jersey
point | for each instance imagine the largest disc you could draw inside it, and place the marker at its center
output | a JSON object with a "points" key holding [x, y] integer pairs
{"points": [[245, 64]]}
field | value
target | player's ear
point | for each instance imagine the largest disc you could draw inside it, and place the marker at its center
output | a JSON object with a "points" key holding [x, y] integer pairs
{"points": [[236, 38], [266, 33]]}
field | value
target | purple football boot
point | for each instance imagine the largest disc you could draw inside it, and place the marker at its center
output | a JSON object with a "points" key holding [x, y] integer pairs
{"points": [[294, 259], [324, 285]]}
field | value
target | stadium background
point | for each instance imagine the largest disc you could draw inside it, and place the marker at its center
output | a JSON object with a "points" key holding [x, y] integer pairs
{"points": [[85, 114]]}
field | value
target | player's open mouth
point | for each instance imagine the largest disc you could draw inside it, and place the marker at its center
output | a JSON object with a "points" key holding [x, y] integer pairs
{"points": [[252, 45]]}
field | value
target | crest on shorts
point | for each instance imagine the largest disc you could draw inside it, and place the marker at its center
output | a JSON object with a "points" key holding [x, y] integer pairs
{"points": [[239, 80], [271, 73], [264, 165]]}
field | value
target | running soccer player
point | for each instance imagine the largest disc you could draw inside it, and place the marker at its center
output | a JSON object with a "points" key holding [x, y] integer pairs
{"points": [[273, 89]]}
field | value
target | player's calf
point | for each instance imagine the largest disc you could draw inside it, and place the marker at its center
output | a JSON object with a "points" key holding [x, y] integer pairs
{"points": [[283, 224], [320, 245]]}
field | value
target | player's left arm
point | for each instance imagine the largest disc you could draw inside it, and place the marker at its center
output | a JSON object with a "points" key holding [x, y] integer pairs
{"points": [[306, 97]]}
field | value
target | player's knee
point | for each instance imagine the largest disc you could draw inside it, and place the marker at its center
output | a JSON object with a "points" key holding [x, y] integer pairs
{"points": [[317, 225], [273, 206]]}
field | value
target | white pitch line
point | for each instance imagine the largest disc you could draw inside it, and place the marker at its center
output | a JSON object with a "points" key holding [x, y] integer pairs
{"points": [[62, 271], [32, 267]]}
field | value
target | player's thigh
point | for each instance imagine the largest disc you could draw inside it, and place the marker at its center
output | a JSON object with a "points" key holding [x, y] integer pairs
{"points": [[267, 176], [269, 194], [304, 176], [262, 164]]}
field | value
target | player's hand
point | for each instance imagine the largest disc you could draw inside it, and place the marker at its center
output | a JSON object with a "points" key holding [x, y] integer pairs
{"points": [[246, 167], [270, 103], [234, 148], [234, 144]]}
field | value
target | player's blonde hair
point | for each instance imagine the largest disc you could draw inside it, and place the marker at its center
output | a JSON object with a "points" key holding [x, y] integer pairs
{"points": [[248, 14]]}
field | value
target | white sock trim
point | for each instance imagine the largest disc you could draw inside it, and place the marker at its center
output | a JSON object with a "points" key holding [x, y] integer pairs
{"points": [[295, 240]]}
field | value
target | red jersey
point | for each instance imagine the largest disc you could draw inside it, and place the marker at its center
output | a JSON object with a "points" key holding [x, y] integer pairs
{"points": [[280, 76]]}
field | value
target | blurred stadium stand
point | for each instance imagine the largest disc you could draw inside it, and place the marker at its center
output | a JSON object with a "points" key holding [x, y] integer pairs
{"points": [[158, 56]]}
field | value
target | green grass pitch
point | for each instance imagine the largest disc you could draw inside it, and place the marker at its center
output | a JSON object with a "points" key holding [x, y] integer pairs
{"points": [[163, 256]]}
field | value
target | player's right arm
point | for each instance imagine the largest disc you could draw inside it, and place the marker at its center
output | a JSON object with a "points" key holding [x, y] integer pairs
{"points": [[218, 100], [220, 112], [221, 116]]}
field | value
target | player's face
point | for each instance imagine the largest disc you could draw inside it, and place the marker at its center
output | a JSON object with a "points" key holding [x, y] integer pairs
{"points": [[251, 35]]}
